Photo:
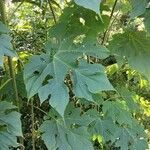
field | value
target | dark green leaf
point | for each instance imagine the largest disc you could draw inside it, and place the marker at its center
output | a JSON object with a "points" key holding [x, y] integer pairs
{"points": [[12, 126], [138, 7], [56, 135], [56, 66], [129, 98], [135, 46], [88, 78], [117, 112], [131, 138]]}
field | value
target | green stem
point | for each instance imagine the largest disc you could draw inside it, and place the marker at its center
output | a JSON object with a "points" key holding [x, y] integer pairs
{"points": [[111, 15], [10, 63], [39, 109], [4, 84], [2, 11], [51, 8], [32, 119], [14, 84], [12, 15]]}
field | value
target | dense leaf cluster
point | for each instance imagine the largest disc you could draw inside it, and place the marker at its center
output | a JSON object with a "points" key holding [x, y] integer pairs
{"points": [[91, 105]]}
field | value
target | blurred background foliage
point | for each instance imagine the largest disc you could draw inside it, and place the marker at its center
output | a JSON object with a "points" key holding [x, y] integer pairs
{"points": [[32, 22]]}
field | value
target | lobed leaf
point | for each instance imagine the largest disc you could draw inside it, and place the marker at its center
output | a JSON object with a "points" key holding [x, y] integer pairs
{"points": [[45, 74], [58, 134], [138, 7], [135, 46], [10, 126]]}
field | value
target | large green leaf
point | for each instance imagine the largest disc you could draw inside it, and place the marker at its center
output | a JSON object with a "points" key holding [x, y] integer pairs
{"points": [[138, 7], [102, 126], [135, 46], [75, 117], [88, 78], [131, 138], [57, 135], [76, 21], [75, 129], [47, 73], [129, 98], [117, 111], [59, 95], [10, 126], [123, 136], [93, 5]]}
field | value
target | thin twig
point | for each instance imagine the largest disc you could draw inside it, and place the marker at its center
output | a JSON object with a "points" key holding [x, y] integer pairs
{"points": [[32, 120], [27, 1], [51, 8], [12, 15], [110, 26], [41, 110], [111, 15], [5, 83]]}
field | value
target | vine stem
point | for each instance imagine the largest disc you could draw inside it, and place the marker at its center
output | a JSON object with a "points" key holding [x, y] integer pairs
{"points": [[51, 8], [32, 101], [10, 64], [111, 15], [12, 75], [32, 120], [12, 15], [35, 107]]}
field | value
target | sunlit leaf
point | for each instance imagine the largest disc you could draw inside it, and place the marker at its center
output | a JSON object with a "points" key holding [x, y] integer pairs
{"points": [[92, 4]]}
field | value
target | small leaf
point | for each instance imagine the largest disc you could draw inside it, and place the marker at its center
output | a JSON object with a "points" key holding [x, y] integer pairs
{"points": [[5, 106]]}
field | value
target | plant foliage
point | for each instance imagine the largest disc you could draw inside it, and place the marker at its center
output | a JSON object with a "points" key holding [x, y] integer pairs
{"points": [[10, 126], [84, 65]]}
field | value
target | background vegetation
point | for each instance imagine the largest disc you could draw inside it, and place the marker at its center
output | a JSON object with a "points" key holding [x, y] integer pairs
{"points": [[74, 75]]}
